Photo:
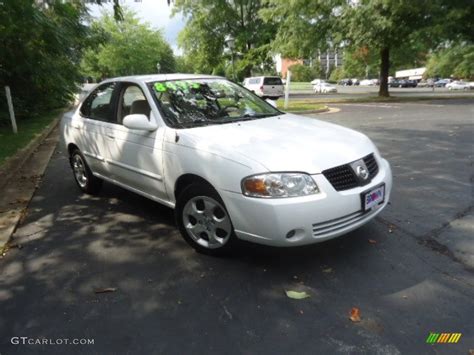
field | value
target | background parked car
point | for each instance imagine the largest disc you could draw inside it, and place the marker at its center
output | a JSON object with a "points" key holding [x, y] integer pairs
{"points": [[442, 83], [317, 81], [368, 82], [265, 86], [345, 82], [324, 88], [403, 83], [355, 81], [394, 83], [458, 85], [426, 83]]}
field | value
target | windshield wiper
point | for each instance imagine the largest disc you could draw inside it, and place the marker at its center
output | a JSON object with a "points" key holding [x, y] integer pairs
{"points": [[248, 117]]}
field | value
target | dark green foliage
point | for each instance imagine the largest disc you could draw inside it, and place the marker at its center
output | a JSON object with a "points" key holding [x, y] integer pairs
{"points": [[304, 73], [40, 53]]}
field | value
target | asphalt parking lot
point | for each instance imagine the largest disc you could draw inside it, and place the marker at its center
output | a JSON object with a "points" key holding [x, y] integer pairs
{"points": [[409, 272], [360, 92]]}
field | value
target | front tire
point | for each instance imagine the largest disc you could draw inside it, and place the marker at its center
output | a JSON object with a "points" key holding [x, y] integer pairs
{"points": [[204, 221], [86, 181]]}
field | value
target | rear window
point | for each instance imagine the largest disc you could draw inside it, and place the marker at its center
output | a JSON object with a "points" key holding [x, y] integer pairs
{"points": [[272, 81]]}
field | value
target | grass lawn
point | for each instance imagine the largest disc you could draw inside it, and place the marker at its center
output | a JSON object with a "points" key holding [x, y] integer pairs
{"points": [[10, 143], [300, 105], [300, 86]]}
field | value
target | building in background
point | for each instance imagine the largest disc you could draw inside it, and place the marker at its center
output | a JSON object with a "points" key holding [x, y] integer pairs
{"points": [[330, 60], [327, 62], [282, 64], [411, 74]]}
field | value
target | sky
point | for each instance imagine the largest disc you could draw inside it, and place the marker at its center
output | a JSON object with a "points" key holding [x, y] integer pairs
{"points": [[156, 12]]}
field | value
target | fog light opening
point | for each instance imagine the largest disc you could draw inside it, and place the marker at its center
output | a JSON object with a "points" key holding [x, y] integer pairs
{"points": [[290, 234]]}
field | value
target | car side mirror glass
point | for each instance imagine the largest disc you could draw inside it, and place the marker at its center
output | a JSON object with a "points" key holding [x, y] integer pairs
{"points": [[271, 102], [139, 122]]}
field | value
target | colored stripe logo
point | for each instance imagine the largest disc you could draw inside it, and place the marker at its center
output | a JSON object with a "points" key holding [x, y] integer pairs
{"points": [[441, 338]]}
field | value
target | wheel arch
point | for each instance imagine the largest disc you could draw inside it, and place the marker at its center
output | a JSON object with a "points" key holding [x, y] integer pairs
{"points": [[71, 147], [186, 180]]}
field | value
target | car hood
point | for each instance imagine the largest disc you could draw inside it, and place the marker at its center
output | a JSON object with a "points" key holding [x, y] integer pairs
{"points": [[281, 143]]}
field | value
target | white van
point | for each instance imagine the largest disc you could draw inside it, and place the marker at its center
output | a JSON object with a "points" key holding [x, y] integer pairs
{"points": [[265, 86]]}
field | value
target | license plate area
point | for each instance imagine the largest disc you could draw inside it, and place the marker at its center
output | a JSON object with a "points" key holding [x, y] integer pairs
{"points": [[373, 197]]}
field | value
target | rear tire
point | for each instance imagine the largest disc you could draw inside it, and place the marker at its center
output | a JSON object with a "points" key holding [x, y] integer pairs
{"points": [[83, 176], [203, 220]]}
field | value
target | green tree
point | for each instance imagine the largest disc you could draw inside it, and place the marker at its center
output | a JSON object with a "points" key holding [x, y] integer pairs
{"points": [[40, 52], [456, 60], [208, 24], [128, 48], [384, 26]]}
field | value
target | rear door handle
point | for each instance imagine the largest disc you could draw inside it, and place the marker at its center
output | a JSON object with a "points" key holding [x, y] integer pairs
{"points": [[110, 135]]}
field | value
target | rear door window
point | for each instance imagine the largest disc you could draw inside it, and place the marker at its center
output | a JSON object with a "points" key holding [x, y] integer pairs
{"points": [[99, 105]]}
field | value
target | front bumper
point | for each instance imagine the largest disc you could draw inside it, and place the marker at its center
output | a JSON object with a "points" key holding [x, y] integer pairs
{"points": [[313, 219]]}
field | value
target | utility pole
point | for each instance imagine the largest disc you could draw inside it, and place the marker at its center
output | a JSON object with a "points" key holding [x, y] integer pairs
{"points": [[10, 109]]}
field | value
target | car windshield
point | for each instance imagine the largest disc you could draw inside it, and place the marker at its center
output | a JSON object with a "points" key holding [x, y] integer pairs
{"points": [[197, 102]]}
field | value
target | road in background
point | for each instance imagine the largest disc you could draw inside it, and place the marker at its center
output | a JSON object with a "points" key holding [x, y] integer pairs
{"points": [[409, 271]]}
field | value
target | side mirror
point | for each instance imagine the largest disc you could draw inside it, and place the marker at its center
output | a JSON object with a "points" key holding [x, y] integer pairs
{"points": [[140, 122], [271, 102]]}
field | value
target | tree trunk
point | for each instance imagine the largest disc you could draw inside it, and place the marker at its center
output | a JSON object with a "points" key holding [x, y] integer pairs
{"points": [[384, 68]]}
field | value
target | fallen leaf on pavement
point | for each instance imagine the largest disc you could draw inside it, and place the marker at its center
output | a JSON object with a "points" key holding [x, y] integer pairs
{"points": [[105, 290], [327, 270], [471, 351], [372, 241], [297, 295], [354, 315]]}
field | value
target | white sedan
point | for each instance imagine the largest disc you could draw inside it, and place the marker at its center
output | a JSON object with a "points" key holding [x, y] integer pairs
{"points": [[458, 85], [324, 88], [231, 165]]}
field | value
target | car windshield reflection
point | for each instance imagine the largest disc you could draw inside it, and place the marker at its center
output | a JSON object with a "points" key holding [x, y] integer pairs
{"points": [[190, 103]]}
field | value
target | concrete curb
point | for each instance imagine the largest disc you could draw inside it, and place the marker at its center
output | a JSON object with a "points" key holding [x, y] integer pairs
{"points": [[321, 110], [11, 166]]}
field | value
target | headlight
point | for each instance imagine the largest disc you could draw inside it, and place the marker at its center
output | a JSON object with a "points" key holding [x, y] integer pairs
{"points": [[279, 185]]}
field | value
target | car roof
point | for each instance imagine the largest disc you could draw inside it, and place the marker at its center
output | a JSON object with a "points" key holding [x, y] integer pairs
{"points": [[264, 76], [161, 77]]}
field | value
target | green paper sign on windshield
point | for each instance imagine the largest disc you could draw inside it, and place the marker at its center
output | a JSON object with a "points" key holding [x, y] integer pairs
{"points": [[176, 85]]}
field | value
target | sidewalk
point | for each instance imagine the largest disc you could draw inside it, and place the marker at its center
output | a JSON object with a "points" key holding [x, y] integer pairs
{"points": [[19, 188]]}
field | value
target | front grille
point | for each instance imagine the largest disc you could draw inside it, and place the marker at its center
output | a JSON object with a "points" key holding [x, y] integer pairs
{"points": [[372, 165], [332, 226], [342, 177]]}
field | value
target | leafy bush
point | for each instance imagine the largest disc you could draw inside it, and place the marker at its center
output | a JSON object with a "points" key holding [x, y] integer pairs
{"points": [[303, 73], [337, 74]]}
